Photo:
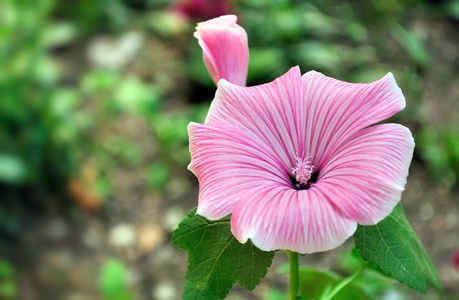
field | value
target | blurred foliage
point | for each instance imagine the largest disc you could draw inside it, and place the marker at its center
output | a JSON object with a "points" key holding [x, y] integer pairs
{"points": [[352, 41], [370, 283], [50, 120], [36, 132], [113, 281], [440, 149], [8, 285]]}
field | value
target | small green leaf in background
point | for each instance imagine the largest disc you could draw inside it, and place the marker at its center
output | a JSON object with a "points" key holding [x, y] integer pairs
{"points": [[372, 280], [273, 293], [112, 281], [8, 290], [6, 269], [216, 260], [99, 80], [452, 9], [259, 69], [412, 43], [158, 175], [314, 282], [12, 168], [132, 94], [321, 55], [317, 23], [8, 286], [395, 249]]}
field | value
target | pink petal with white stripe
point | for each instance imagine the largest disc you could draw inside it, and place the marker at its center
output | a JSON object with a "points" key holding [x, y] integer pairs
{"points": [[274, 113], [366, 175], [227, 163], [304, 221], [337, 109], [225, 49]]}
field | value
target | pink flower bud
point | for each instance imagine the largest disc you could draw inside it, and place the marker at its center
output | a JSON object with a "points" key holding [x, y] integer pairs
{"points": [[225, 49]]}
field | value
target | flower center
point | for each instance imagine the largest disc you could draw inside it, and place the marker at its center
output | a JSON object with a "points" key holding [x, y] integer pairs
{"points": [[302, 171]]}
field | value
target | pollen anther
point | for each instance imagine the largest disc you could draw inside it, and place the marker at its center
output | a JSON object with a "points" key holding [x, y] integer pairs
{"points": [[302, 169]]}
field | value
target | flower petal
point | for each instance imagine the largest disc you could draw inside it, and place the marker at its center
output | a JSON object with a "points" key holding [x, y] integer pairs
{"points": [[227, 162], [273, 113], [337, 109], [366, 175], [282, 218], [225, 49]]}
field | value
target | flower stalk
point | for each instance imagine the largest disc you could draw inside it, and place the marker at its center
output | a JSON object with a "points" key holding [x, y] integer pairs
{"points": [[294, 275]]}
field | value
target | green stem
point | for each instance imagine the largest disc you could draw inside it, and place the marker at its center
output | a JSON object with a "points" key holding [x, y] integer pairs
{"points": [[341, 285], [294, 274]]}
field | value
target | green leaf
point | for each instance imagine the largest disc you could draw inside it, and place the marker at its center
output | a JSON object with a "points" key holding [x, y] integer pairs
{"points": [[395, 249], [191, 291], [216, 260]]}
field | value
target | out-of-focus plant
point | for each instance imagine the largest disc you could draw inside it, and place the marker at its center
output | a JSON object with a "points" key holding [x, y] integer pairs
{"points": [[344, 40], [118, 95], [49, 151], [353, 42], [440, 149], [170, 130], [372, 283], [38, 124], [90, 16], [113, 281], [8, 285]]}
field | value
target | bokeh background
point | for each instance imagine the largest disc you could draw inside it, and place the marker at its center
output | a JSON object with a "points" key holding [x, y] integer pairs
{"points": [[95, 97]]}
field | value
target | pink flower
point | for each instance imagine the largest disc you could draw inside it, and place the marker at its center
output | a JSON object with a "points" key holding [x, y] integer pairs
{"points": [[297, 161], [225, 49], [203, 9], [456, 260]]}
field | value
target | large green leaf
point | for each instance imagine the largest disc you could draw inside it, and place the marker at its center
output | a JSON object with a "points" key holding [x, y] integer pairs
{"points": [[395, 249], [216, 260], [192, 292]]}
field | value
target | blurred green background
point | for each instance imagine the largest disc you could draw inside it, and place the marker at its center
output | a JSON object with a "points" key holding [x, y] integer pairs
{"points": [[95, 97]]}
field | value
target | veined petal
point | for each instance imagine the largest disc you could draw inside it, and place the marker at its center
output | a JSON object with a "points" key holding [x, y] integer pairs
{"points": [[227, 162], [366, 175], [225, 49], [281, 218], [337, 109], [273, 113]]}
